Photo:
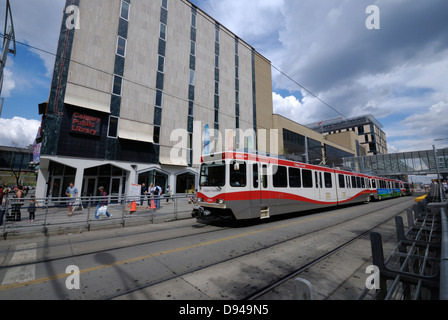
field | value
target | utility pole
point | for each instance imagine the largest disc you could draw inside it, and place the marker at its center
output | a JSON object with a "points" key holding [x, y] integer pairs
{"points": [[8, 37]]}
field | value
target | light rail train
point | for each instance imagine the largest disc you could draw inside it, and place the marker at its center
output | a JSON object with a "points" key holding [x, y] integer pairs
{"points": [[243, 186]]}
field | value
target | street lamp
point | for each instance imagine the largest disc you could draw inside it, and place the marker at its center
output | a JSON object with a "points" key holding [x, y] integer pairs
{"points": [[437, 167]]}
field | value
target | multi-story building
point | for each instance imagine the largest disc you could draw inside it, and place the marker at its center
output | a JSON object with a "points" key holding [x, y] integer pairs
{"points": [[366, 127], [137, 84]]}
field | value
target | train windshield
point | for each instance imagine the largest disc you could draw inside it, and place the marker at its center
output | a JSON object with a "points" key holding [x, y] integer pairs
{"points": [[213, 175]]}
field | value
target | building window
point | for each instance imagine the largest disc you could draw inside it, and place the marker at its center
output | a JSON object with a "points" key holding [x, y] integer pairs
{"points": [[121, 47], [161, 66], [165, 4], [156, 135], [125, 10], [193, 48], [112, 132], [192, 77], [162, 31], [117, 88], [159, 97]]}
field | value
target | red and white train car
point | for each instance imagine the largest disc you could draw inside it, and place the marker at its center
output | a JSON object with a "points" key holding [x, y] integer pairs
{"points": [[247, 186]]}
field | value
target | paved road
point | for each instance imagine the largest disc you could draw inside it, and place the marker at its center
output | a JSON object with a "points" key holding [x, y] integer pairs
{"points": [[190, 260]]}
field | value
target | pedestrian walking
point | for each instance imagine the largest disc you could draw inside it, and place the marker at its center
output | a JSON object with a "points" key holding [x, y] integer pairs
{"points": [[17, 204], [158, 193], [101, 208], [168, 194], [143, 193], [151, 195], [72, 193], [32, 209]]}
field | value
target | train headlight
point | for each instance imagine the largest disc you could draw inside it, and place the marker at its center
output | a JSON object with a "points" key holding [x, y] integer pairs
{"points": [[200, 200], [220, 201]]}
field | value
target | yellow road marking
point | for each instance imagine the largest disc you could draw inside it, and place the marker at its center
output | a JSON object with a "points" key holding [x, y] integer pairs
{"points": [[105, 266]]}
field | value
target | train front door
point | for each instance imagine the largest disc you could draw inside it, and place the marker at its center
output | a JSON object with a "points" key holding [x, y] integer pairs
{"points": [[259, 191]]}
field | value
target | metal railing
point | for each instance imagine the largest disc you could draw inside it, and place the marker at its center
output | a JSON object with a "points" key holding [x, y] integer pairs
{"points": [[52, 214], [417, 268], [444, 257]]}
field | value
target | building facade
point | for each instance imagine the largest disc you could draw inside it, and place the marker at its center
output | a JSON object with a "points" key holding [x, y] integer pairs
{"points": [[137, 85], [302, 144], [366, 127]]}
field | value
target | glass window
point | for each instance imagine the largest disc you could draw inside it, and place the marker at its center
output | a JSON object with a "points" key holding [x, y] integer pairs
{"points": [[255, 175], [192, 77], [162, 31], [238, 174], [265, 176], [156, 135], [121, 46], [213, 175], [307, 178], [165, 4], [159, 97], [124, 10], [280, 177], [341, 179], [354, 182], [295, 179], [161, 66], [118, 81], [113, 127], [193, 20], [193, 48], [327, 178]]}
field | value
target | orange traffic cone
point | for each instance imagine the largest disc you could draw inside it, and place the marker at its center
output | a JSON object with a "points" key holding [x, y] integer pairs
{"points": [[133, 207], [153, 205]]}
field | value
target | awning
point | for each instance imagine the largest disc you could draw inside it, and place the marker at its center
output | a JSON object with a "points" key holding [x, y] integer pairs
{"points": [[87, 98], [135, 131]]}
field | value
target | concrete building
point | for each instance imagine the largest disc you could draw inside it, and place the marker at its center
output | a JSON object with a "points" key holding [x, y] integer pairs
{"points": [[366, 127], [303, 144], [136, 86]]}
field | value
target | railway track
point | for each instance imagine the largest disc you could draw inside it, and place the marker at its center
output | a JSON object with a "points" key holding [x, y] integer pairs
{"points": [[259, 293], [198, 231]]}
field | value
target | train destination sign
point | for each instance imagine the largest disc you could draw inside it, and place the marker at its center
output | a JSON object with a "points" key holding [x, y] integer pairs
{"points": [[85, 124]]}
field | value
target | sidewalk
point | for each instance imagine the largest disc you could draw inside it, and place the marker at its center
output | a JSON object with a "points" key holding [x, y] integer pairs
{"points": [[54, 220]]}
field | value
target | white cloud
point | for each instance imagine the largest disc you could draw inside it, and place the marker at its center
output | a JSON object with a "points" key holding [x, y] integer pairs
{"points": [[18, 132], [433, 123], [8, 83]]}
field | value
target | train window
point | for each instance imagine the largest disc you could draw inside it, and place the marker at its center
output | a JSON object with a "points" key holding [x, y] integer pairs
{"points": [[341, 181], [328, 182], [213, 175], [358, 182], [353, 182], [363, 182], [307, 176], [265, 176], [348, 181], [295, 179], [373, 182], [255, 175], [280, 177], [238, 174]]}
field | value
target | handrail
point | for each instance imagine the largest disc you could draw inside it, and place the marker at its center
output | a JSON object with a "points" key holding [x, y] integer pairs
{"points": [[444, 257]]}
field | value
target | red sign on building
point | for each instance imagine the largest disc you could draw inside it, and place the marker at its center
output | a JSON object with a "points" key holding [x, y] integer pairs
{"points": [[85, 124]]}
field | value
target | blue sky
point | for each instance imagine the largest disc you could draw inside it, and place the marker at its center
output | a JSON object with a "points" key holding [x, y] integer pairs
{"points": [[398, 73]]}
